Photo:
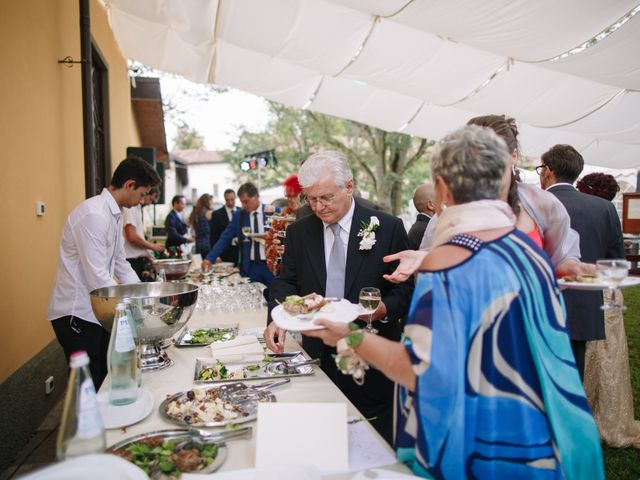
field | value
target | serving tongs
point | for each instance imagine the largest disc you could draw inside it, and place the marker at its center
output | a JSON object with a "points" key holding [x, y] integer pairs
{"points": [[199, 439], [289, 368], [241, 393]]}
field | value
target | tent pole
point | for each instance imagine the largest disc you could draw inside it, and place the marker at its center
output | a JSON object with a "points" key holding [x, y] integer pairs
{"points": [[87, 94]]}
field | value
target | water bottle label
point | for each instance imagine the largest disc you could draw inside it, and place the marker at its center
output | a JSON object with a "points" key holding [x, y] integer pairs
{"points": [[124, 337], [89, 419]]}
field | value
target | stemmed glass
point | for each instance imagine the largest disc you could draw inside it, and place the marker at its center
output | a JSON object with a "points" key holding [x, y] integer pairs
{"points": [[613, 272], [369, 300], [282, 234], [246, 231], [269, 210]]}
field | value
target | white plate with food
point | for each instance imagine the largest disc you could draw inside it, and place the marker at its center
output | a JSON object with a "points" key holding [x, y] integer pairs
{"points": [[593, 283], [298, 314]]}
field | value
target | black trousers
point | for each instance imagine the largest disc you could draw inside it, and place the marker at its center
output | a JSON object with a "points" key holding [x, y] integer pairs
{"points": [[75, 334], [143, 268], [579, 348]]}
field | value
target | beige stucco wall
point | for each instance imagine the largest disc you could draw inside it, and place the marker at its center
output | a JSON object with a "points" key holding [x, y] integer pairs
{"points": [[42, 160]]}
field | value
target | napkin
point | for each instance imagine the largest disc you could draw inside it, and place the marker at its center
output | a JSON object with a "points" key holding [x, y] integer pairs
{"points": [[244, 348], [321, 442]]}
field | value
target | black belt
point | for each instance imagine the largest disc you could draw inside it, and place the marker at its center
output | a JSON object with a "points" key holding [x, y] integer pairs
{"points": [[259, 261]]}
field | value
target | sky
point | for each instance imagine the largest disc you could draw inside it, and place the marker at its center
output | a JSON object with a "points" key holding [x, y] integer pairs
{"points": [[219, 117]]}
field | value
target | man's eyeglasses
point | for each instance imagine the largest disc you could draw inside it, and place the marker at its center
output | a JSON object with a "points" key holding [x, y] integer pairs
{"points": [[324, 200], [539, 168]]}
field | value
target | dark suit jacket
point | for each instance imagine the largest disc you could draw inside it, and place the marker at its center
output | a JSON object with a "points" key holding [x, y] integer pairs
{"points": [[239, 219], [219, 222], [416, 232], [304, 271], [597, 222], [176, 229]]}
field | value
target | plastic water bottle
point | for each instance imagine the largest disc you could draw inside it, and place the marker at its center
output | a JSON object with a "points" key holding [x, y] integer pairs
{"points": [[135, 318], [122, 360], [81, 430]]}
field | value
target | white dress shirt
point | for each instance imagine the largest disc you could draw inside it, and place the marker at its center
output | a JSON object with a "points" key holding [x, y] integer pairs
{"points": [[133, 216], [345, 229], [91, 254], [229, 212]]}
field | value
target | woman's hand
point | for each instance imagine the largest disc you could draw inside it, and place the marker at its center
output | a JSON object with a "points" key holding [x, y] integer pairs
{"points": [[572, 266], [332, 332], [410, 261]]}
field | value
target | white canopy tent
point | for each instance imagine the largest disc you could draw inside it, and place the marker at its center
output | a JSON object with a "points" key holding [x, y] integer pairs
{"points": [[423, 67]]}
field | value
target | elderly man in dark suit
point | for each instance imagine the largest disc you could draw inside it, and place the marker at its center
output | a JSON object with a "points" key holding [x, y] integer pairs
{"points": [[597, 222], [325, 254], [424, 199], [219, 221], [252, 261]]}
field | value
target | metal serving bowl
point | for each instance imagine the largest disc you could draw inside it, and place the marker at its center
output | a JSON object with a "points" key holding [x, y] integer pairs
{"points": [[160, 310], [174, 268]]}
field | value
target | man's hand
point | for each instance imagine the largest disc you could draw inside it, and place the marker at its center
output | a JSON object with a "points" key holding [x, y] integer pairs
{"points": [[156, 247], [332, 332], [189, 239], [274, 337], [205, 265], [410, 261]]}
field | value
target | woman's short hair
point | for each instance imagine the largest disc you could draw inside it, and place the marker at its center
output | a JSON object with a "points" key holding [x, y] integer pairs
{"points": [[472, 161], [323, 164], [600, 184]]}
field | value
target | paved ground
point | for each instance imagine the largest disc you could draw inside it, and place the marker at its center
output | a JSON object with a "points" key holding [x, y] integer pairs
{"points": [[41, 449]]}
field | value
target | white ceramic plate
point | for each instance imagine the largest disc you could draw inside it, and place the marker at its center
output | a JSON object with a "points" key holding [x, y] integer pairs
{"points": [[594, 286], [122, 416], [342, 311], [99, 466]]}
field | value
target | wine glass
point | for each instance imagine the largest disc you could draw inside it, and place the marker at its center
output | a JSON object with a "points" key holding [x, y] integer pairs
{"points": [[269, 210], [613, 272], [246, 231], [281, 235], [369, 300]]}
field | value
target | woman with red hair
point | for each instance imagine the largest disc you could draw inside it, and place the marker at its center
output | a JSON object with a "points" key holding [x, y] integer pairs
{"points": [[292, 192]]}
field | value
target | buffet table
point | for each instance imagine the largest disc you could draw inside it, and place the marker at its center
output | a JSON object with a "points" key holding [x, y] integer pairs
{"points": [[179, 377]]}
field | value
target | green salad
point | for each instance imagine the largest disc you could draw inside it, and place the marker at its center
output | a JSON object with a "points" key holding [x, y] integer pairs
{"points": [[160, 458], [210, 335]]}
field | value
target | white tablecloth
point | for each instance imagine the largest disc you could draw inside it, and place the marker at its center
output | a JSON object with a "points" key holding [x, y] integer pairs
{"points": [[179, 377]]}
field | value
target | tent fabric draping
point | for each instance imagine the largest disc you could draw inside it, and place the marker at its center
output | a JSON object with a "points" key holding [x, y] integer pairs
{"points": [[423, 67]]}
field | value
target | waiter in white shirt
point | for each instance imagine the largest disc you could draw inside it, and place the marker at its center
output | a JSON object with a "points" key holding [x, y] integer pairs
{"points": [[91, 255], [136, 248]]}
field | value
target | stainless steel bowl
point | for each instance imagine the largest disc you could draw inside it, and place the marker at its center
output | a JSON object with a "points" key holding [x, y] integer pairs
{"points": [[174, 268], [160, 310]]}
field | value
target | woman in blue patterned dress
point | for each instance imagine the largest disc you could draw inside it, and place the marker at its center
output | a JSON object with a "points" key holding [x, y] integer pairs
{"points": [[487, 384], [200, 221]]}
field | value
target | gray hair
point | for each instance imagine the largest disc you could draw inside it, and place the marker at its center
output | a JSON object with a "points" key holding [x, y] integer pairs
{"points": [[323, 164], [472, 160]]}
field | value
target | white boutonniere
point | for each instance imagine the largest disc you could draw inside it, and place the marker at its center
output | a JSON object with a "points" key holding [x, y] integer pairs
{"points": [[367, 232]]}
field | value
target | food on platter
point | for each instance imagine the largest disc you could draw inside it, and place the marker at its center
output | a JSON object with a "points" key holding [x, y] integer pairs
{"points": [[207, 336], [581, 278], [160, 457], [201, 406], [296, 305], [219, 371]]}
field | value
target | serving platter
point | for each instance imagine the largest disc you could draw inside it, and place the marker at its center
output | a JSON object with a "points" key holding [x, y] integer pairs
{"points": [[631, 281], [174, 437], [215, 406], [251, 368], [201, 337]]}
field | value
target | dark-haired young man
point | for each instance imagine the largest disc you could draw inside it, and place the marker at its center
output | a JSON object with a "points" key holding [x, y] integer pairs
{"points": [[91, 254], [176, 227], [597, 222], [252, 261], [219, 221]]}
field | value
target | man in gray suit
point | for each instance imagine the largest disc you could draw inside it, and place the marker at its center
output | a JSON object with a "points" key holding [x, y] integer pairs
{"points": [[424, 200], [597, 222]]}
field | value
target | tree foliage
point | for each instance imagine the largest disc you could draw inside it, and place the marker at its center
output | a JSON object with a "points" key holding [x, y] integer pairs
{"points": [[188, 138], [386, 165]]}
